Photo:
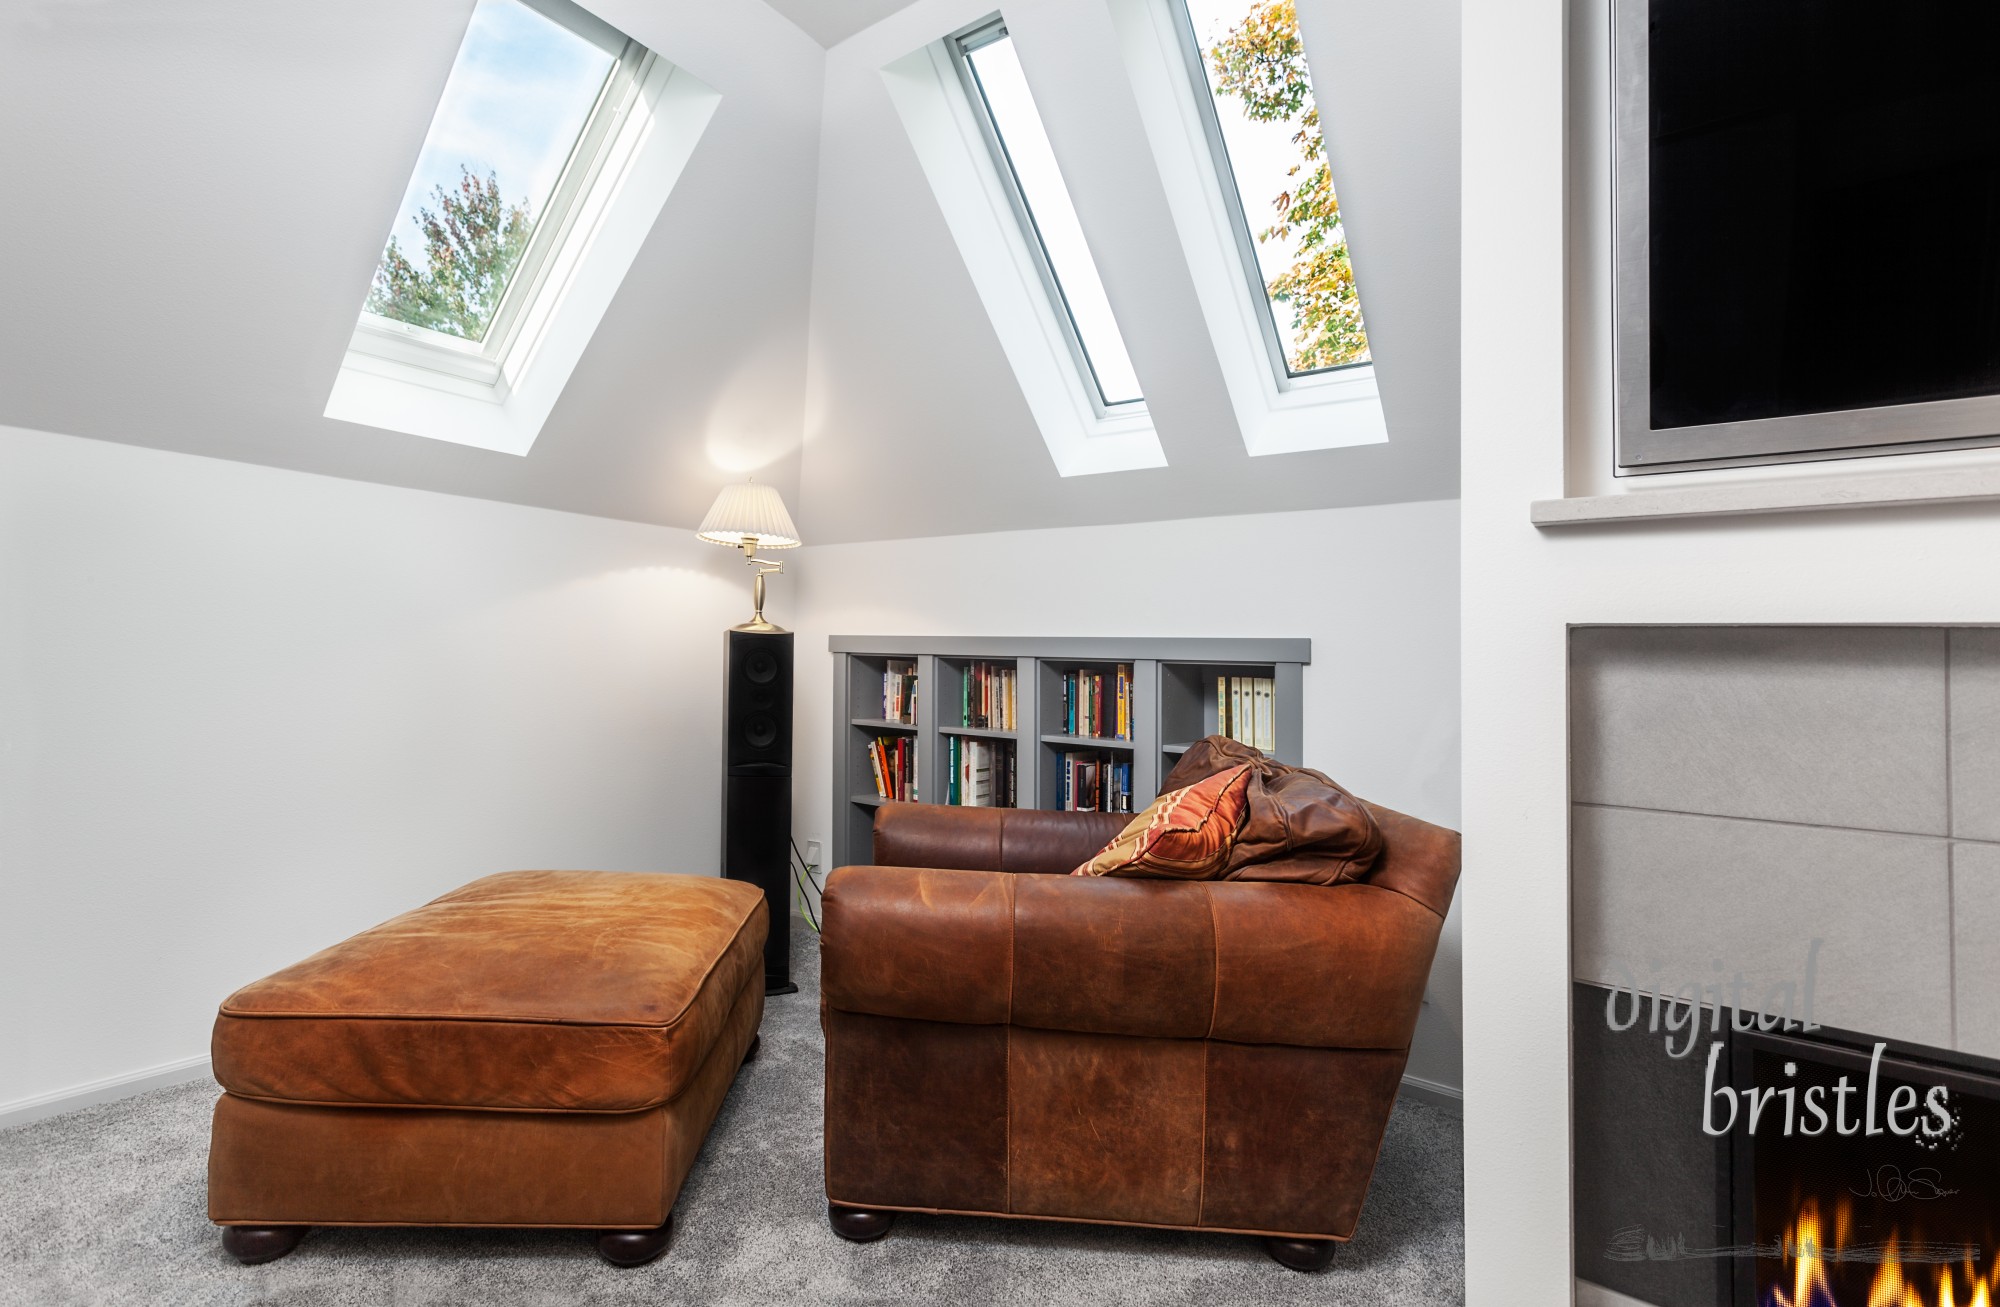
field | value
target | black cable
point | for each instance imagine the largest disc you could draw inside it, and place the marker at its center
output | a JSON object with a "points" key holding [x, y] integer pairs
{"points": [[805, 898]]}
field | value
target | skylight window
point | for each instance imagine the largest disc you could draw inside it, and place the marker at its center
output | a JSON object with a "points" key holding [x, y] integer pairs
{"points": [[1027, 163], [1264, 133], [550, 154], [535, 88]]}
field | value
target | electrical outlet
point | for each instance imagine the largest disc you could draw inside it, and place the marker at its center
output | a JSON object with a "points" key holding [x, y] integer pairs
{"points": [[812, 853]]}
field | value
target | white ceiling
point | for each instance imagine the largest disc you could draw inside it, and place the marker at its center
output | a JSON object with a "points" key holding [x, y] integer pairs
{"points": [[197, 194], [832, 21]]}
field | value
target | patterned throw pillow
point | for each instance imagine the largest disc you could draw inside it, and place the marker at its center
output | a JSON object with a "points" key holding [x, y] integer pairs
{"points": [[1185, 834]]}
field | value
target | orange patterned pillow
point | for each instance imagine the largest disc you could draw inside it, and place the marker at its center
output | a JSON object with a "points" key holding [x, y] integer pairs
{"points": [[1185, 834]]}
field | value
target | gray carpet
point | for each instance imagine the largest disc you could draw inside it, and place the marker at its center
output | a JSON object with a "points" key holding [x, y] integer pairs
{"points": [[106, 1206]]}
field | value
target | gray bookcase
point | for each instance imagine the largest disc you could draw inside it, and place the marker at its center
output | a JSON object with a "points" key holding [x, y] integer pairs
{"points": [[1173, 705]]}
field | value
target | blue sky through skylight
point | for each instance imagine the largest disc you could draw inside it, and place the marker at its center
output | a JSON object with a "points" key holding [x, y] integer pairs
{"points": [[517, 99]]}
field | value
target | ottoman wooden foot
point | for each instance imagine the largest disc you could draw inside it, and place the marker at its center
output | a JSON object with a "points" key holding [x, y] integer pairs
{"points": [[750, 1054], [253, 1244], [1302, 1254], [634, 1247], [858, 1224]]}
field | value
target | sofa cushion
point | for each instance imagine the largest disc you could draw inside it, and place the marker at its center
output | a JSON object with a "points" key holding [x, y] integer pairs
{"points": [[1185, 834], [532, 991], [1300, 825]]}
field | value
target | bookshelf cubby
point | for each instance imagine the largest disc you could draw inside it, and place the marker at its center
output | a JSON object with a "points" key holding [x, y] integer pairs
{"points": [[1171, 703]]}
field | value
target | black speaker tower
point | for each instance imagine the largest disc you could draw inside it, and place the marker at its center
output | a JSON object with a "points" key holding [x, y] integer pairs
{"points": [[757, 783]]}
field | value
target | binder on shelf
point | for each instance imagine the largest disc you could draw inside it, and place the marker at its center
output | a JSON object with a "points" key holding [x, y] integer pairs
{"points": [[1246, 710]]}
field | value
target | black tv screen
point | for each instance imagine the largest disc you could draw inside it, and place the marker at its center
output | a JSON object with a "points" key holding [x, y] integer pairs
{"points": [[1822, 217]]}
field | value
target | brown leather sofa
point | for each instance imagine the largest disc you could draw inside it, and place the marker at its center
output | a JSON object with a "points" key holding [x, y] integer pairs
{"points": [[1222, 1055]]}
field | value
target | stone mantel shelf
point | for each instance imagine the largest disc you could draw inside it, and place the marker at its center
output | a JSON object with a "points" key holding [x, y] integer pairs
{"points": [[1957, 485]]}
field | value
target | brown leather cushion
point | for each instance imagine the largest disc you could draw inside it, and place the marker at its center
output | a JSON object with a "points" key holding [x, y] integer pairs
{"points": [[586, 991], [1301, 826], [1185, 834]]}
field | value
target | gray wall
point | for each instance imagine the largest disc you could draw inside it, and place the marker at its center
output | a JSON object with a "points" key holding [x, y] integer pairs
{"points": [[1741, 791]]}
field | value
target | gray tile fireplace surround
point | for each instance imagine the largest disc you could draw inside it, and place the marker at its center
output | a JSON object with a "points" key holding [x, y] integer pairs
{"points": [[1740, 792]]}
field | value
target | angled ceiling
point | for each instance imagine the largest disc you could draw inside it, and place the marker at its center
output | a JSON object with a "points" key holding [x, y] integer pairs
{"points": [[213, 181], [208, 184], [832, 21], [915, 425]]}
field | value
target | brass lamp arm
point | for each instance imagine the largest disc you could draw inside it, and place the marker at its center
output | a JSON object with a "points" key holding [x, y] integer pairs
{"points": [[761, 567]]}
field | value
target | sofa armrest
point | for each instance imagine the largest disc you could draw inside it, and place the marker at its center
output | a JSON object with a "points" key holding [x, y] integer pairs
{"points": [[1318, 966], [991, 839]]}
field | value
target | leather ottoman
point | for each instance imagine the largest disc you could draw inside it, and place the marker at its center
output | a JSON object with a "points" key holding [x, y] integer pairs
{"points": [[539, 1048]]}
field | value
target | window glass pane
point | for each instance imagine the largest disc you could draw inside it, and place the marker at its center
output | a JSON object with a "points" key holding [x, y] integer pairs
{"points": [[1026, 144], [516, 102], [1255, 74]]}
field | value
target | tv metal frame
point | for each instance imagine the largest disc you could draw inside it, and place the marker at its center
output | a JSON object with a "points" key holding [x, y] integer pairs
{"points": [[1640, 448]]}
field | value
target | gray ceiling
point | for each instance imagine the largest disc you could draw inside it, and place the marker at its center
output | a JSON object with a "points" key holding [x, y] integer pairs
{"points": [[197, 194]]}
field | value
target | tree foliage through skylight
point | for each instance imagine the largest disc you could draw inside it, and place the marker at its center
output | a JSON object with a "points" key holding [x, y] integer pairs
{"points": [[472, 242], [519, 95], [1271, 126]]}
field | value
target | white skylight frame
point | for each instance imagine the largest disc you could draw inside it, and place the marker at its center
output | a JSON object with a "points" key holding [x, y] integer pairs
{"points": [[963, 45], [497, 392], [1277, 412], [1008, 270]]}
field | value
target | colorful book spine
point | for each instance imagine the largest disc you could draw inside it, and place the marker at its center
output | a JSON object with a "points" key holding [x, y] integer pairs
{"points": [[899, 691]]}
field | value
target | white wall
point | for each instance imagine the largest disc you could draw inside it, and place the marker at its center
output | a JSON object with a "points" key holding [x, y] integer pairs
{"points": [[1525, 587], [246, 712], [1376, 590]]}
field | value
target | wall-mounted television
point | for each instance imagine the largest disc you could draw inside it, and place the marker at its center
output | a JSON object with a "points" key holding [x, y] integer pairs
{"points": [[1806, 229]]}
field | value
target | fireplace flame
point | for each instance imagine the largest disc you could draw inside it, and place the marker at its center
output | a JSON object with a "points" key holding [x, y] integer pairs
{"points": [[1810, 1253]]}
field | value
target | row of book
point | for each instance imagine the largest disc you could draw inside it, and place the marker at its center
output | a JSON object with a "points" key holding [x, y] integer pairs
{"points": [[894, 758], [980, 773], [1093, 782], [1099, 704], [1245, 710], [990, 692], [899, 691]]}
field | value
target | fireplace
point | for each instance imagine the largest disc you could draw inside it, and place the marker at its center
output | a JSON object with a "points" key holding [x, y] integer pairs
{"points": [[1902, 1213], [1785, 1053]]}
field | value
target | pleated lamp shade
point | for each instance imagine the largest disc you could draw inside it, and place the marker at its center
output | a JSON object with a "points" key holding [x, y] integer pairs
{"points": [[748, 510]]}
